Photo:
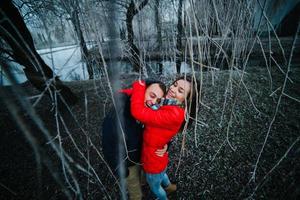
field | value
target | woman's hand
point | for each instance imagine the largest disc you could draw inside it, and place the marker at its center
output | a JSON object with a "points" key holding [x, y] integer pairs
{"points": [[161, 152]]}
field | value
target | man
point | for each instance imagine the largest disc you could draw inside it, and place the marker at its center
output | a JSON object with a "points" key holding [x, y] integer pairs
{"points": [[122, 137]]}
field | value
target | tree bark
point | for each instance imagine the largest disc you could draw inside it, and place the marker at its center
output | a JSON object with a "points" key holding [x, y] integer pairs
{"points": [[15, 33], [159, 36], [179, 36], [85, 53], [134, 51]]}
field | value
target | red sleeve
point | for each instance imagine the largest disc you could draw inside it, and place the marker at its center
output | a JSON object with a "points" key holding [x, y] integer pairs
{"points": [[169, 117], [126, 91]]}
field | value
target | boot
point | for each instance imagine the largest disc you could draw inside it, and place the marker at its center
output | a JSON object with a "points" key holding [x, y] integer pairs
{"points": [[171, 188]]}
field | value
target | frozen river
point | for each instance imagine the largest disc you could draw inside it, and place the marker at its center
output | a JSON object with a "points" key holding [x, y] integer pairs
{"points": [[66, 62]]}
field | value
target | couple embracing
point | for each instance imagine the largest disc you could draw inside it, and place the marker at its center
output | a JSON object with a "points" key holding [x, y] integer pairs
{"points": [[136, 132]]}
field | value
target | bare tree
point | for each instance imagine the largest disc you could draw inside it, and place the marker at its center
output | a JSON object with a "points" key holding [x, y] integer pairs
{"points": [[133, 10], [179, 36], [73, 9], [159, 35], [15, 33]]}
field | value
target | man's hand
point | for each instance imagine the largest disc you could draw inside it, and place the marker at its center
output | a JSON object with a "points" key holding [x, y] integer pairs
{"points": [[141, 82], [161, 152]]}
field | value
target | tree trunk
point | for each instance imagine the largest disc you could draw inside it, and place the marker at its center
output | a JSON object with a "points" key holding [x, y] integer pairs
{"points": [[83, 47], [179, 36], [134, 51], [15, 33], [159, 36]]}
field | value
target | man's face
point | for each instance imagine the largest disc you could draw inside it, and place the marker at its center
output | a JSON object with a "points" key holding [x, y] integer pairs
{"points": [[152, 94]]}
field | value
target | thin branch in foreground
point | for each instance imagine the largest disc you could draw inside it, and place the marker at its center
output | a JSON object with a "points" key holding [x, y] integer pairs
{"points": [[8, 189], [277, 106], [262, 182]]}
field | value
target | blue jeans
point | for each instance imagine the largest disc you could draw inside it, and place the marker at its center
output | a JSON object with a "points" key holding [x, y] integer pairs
{"points": [[157, 182]]}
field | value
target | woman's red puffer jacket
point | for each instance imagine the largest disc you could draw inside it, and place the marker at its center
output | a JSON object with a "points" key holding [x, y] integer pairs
{"points": [[160, 126]]}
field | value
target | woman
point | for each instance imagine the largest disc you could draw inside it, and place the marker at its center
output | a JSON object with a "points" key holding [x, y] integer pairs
{"points": [[113, 146], [160, 126]]}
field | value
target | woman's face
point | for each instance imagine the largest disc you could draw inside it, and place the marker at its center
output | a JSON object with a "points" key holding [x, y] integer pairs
{"points": [[179, 90], [152, 94]]}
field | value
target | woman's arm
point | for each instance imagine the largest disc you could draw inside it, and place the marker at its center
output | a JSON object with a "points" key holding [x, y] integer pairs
{"points": [[127, 91], [170, 117]]}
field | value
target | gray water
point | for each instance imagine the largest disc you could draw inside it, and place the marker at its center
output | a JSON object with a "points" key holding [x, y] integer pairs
{"points": [[66, 62]]}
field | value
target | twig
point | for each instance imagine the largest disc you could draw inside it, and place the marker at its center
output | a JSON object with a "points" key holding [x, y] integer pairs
{"points": [[8, 189]]}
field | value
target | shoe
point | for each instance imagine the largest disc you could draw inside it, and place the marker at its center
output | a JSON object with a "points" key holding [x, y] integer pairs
{"points": [[171, 188]]}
